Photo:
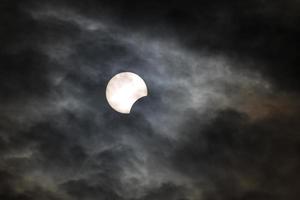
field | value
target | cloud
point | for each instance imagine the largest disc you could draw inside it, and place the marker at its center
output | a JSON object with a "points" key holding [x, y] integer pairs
{"points": [[232, 153], [220, 121]]}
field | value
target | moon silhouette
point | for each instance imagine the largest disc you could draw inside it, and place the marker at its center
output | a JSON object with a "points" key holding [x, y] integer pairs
{"points": [[123, 90]]}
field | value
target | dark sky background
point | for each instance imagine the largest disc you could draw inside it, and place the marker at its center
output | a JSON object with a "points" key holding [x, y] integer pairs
{"points": [[221, 121]]}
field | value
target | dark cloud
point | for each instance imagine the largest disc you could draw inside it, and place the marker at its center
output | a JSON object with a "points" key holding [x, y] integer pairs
{"points": [[241, 158], [166, 191], [263, 32], [9, 183], [220, 121], [83, 189]]}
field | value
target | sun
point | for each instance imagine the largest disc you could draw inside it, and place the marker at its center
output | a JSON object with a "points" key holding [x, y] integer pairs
{"points": [[123, 90]]}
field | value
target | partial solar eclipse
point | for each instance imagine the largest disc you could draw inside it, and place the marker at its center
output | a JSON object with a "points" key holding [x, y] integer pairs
{"points": [[123, 90]]}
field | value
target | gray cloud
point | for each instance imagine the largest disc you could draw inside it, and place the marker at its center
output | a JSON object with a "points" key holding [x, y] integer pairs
{"points": [[218, 122]]}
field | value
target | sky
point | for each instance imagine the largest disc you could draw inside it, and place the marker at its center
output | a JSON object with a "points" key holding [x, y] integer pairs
{"points": [[220, 122]]}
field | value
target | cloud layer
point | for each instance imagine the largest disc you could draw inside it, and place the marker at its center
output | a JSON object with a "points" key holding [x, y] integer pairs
{"points": [[220, 121]]}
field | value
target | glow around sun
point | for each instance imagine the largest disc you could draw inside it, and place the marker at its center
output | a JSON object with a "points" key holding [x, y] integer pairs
{"points": [[123, 90]]}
